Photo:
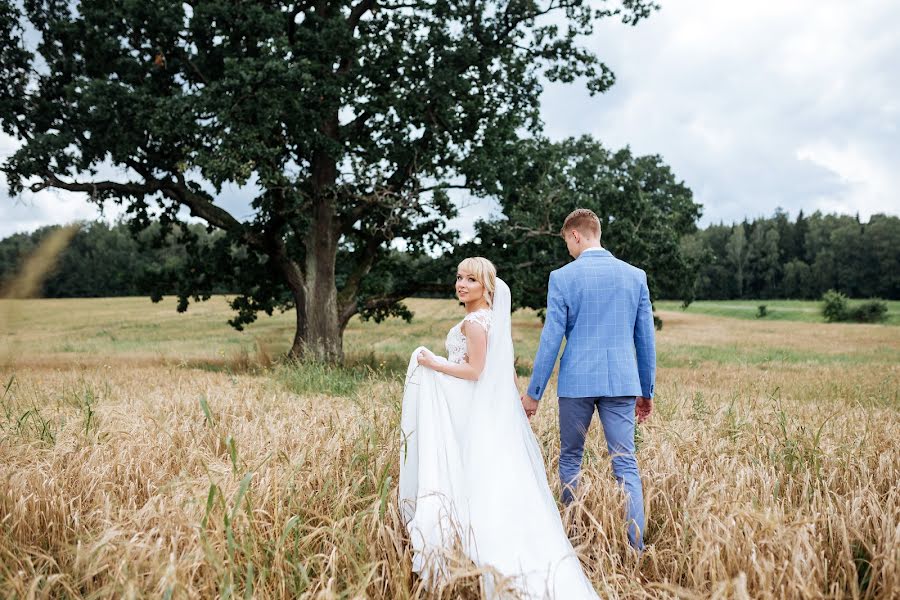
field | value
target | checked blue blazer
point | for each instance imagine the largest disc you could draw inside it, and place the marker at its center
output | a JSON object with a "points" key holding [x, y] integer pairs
{"points": [[602, 306]]}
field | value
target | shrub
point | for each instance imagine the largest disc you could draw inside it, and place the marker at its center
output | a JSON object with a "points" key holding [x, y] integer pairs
{"points": [[761, 311], [871, 311], [835, 308]]}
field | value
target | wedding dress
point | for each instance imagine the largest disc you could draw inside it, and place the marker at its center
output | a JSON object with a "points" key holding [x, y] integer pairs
{"points": [[472, 476]]}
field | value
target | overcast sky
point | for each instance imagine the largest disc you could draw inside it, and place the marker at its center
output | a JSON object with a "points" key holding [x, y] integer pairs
{"points": [[755, 105]]}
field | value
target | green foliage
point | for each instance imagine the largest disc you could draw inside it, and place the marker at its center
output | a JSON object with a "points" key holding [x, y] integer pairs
{"points": [[806, 311], [104, 260], [862, 560], [870, 311], [777, 258], [761, 311], [644, 212], [736, 253], [316, 378], [835, 306]]}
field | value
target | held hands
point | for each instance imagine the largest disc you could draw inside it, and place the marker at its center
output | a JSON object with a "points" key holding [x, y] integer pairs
{"points": [[530, 405], [642, 408]]}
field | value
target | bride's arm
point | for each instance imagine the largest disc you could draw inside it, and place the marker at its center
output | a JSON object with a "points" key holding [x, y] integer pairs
{"points": [[476, 350]]}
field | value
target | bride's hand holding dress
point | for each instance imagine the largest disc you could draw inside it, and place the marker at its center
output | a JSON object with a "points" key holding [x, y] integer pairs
{"points": [[476, 354]]}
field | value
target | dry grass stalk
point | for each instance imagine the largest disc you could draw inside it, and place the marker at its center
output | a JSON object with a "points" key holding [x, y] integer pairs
{"points": [[27, 282], [39, 264]]}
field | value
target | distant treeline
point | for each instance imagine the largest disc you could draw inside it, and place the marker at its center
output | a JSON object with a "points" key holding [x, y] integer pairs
{"points": [[102, 260], [766, 258], [800, 259]]}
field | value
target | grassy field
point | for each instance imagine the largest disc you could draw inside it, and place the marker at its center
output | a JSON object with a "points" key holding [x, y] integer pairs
{"points": [[146, 453], [809, 311]]}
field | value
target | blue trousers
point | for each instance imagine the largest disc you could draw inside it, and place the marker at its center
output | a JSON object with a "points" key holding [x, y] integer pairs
{"points": [[617, 417]]}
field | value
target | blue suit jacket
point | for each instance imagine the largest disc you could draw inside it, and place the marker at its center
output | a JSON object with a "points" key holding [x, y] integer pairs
{"points": [[602, 306]]}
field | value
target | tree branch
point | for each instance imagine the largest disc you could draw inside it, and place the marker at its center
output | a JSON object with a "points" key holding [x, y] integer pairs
{"points": [[352, 309], [205, 209], [347, 294], [93, 188], [512, 24], [530, 232], [358, 11], [187, 59], [443, 186], [355, 126]]}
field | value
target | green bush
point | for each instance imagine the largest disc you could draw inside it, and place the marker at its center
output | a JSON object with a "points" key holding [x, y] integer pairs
{"points": [[761, 311], [871, 311], [835, 308]]}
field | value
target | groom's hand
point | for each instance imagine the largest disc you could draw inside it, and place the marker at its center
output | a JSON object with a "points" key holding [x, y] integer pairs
{"points": [[529, 404], [642, 408]]}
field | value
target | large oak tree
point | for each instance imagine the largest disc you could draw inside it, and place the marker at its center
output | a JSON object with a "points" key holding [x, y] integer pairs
{"points": [[350, 118]]}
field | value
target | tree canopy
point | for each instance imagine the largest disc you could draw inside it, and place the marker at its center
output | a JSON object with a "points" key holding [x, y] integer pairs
{"points": [[350, 119], [644, 212]]}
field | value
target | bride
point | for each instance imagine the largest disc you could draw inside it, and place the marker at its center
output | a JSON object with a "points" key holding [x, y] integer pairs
{"points": [[472, 476]]}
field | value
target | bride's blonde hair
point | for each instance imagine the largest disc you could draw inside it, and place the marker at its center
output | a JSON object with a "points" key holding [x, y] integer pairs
{"points": [[485, 273]]}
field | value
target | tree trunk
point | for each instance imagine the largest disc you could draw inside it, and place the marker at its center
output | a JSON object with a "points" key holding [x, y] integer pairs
{"points": [[319, 335]]}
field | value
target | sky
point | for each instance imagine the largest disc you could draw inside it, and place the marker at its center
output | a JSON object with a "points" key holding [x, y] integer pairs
{"points": [[754, 105]]}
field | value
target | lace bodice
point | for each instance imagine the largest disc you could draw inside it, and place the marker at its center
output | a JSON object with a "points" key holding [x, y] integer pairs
{"points": [[456, 340]]}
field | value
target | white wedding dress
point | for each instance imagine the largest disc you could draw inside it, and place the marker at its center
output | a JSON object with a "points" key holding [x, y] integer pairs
{"points": [[472, 476]]}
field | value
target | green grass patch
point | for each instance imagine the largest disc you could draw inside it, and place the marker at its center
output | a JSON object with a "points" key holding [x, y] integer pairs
{"points": [[307, 378], [809, 311], [694, 355]]}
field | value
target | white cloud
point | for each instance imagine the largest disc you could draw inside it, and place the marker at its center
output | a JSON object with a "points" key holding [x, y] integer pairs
{"points": [[871, 185], [754, 105]]}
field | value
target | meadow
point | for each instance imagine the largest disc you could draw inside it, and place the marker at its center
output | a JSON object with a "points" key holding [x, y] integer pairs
{"points": [[809, 311], [146, 453]]}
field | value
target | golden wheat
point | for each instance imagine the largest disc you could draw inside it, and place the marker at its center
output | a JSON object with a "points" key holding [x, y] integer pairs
{"points": [[775, 479]]}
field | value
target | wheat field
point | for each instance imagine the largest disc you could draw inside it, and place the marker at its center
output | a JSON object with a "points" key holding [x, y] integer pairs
{"points": [[144, 453]]}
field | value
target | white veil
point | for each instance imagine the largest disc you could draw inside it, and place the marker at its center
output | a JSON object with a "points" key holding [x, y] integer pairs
{"points": [[496, 395], [496, 405], [499, 362]]}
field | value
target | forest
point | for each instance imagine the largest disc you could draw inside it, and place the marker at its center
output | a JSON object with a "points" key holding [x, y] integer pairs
{"points": [[777, 257], [766, 258]]}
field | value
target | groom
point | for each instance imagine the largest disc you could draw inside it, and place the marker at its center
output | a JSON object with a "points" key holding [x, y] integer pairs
{"points": [[602, 307]]}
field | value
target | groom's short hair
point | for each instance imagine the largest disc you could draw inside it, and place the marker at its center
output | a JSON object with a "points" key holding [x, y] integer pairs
{"points": [[584, 221]]}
